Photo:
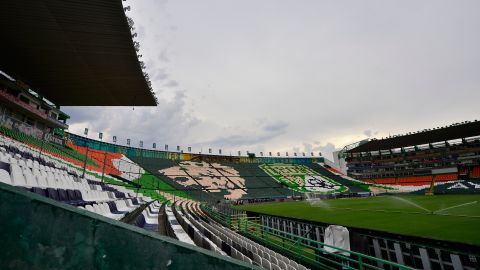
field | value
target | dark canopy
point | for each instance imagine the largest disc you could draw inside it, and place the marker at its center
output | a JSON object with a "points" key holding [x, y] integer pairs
{"points": [[438, 135], [73, 52]]}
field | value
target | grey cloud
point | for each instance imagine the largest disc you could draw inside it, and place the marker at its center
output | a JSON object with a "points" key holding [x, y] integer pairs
{"points": [[252, 138], [326, 149], [160, 75], [163, 57], [276, 126], [340, 72], [165, 123], [171, 83]]}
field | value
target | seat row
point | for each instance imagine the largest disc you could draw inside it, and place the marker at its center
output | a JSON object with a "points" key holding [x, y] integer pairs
{"points": [[194, 232], [113, 209], [148, 219], [176, 228], [248, 249]]}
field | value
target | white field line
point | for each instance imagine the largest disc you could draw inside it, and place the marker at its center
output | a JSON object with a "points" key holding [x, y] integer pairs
{"points": [[455, 206]]}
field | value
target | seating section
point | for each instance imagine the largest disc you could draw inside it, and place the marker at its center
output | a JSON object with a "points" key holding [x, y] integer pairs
{"points": [[54, 150], [352, 184], [57, 178], [413, 183], [475, 172], [148, 219], [384, 181], [234, 244], [215, 180], [23, 166], [189, 224], [454, 187], [175, 228], [414, 180], [445, 177]]}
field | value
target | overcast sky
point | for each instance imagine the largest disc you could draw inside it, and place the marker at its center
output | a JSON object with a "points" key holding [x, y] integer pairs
{"points": [[295, 75]]}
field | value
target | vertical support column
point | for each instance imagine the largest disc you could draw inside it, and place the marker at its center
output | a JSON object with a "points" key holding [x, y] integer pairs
{"points": [[378, 252], [425, 259], [398, 253], [456, 262]]}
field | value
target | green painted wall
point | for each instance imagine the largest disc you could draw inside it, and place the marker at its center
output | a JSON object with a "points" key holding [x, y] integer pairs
{"points": [[39, 233]]}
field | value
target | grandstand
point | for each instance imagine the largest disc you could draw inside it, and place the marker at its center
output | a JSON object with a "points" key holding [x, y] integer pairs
{"points": [[423, 160]]}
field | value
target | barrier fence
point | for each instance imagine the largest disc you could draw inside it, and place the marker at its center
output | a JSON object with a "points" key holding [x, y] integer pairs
{"points": [[303, 249]]}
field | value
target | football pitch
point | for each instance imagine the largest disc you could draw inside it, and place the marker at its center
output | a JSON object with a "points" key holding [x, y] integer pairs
{"points": [[444, 217]]}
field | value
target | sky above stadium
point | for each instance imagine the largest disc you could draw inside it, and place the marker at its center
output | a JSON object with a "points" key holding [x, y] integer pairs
{"points": [[296, 75]]}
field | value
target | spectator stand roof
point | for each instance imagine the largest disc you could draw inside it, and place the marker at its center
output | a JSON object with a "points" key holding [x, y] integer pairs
{"points": [[453, 132], [73, 52]]}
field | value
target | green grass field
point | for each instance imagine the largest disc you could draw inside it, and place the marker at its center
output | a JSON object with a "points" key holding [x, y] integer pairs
{"points": [[445, 217]]}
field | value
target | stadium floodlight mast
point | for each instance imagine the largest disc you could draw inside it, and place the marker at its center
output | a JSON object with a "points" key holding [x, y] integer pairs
{"points": [[278, 154], [114, 139], [100, 136], [261, 154], [209, 150], [128, 141], [239, 153], [178, 148], [141, 144], [219, 151], [270, 153], [166, 147], [154, 145], [189, 149]]}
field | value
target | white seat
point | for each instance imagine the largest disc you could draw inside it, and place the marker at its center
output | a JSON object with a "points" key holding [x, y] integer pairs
{"points": [[266, 264], [30, 180], [12, 160], [282, 265], [29, 163], [275, 267], [5, 177], [89, 208], [41, 181], [17, 176]]}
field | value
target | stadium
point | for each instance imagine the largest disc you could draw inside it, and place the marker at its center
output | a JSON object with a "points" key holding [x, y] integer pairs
{"points": [[68, 201]]}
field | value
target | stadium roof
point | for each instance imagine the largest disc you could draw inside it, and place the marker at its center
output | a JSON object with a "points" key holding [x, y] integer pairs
{"points": [[437, 135], [74, 52]]}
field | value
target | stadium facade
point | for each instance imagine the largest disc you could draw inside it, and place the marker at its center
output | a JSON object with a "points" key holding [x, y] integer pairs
{"points": [[425, 157]]}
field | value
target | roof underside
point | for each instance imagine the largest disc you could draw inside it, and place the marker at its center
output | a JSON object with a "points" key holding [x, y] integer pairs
{"points": [[438, 135], [73, 52]]}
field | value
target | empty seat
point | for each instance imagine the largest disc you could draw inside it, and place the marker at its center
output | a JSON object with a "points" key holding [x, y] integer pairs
{"points": [[266, 264], [5, 177]]}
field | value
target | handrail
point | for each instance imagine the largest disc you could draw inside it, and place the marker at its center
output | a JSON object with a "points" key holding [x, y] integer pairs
{"points": [[358, 260]]}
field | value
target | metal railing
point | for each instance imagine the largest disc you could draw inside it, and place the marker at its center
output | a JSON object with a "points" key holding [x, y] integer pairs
{"points": [[300, 248]]}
